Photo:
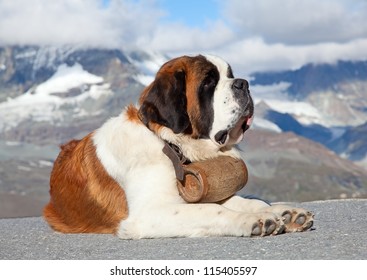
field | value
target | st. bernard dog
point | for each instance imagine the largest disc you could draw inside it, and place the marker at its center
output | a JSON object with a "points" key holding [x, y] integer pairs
{"points": [[118, 180]]}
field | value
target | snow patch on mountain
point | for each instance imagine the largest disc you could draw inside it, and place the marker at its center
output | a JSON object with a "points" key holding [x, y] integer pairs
{"points": [[42, 103], [65, 79], [304, 112], [261, 123], [276, 97]]}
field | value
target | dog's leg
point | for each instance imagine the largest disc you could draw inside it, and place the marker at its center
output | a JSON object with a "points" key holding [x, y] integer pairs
{"points": [[196, 220], [295, 219], [245, 205]]}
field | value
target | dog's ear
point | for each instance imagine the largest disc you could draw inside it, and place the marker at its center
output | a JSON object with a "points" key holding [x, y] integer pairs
{"points": [[164, 102]]}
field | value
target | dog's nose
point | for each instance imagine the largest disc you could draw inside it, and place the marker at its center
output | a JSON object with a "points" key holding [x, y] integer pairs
{"points": [[240, 84], [241, 92]]}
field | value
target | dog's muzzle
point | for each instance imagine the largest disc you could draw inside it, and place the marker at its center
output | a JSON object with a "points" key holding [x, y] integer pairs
{"points": [[245, 113]]}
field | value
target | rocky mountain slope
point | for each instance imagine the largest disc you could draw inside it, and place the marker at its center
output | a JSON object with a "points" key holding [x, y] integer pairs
{"points": [[287, 167]]}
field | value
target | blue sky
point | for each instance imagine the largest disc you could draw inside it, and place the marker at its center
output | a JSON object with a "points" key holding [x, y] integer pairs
{"points": [[252, 35], [190, 12], [183, 11]]}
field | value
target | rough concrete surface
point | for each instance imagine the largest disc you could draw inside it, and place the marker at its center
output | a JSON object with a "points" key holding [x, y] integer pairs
{"points": [[339, 232]]}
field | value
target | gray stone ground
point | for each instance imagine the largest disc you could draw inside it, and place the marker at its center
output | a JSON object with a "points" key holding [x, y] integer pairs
{"points": [[339, 232]]}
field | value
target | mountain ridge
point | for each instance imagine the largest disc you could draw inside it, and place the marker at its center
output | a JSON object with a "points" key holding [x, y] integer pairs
{"points": [[324, 76]]}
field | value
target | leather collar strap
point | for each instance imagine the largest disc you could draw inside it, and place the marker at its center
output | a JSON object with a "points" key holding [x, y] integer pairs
{"points": [[175, 154]]}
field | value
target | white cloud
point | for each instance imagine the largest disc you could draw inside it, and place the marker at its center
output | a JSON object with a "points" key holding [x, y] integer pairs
{"points": [[122, 23], [76, 22], [298, 21], [253, 54], [180, 38]]}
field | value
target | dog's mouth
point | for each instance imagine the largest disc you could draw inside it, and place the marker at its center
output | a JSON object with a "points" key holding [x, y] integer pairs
{"points": [[236, 132]]}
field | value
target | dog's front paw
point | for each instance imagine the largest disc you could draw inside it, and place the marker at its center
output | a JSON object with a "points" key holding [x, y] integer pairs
{"points": [[295, 219]]}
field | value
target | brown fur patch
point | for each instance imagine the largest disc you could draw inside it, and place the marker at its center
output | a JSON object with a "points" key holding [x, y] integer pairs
{"points": [[84, 198], [132, 114]]}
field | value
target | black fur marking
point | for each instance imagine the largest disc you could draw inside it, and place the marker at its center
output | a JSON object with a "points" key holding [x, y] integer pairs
{"points": [[205, 97], [166, 103], [229, 72]]}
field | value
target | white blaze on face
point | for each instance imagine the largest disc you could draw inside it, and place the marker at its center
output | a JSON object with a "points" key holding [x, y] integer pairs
{"points": [[227, 111]]}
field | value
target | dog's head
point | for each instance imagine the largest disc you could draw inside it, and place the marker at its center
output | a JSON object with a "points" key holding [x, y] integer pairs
{"points": [[198, 96]]}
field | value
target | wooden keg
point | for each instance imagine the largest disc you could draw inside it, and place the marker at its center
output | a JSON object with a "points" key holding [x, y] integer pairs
{"points": [[212, 180]]}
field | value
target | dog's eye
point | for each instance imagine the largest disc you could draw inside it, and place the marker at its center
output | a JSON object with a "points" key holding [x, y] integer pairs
{"points": [[209, 82]]}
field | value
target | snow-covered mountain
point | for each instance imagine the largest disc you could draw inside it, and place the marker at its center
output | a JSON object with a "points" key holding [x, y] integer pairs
{"points": [[49, 95], [320, 102]]}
